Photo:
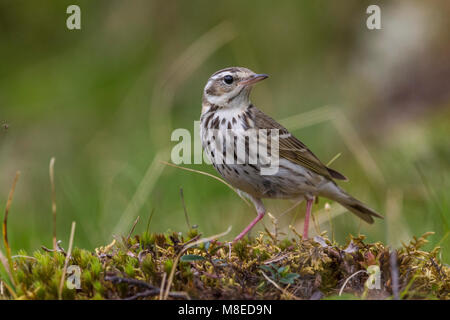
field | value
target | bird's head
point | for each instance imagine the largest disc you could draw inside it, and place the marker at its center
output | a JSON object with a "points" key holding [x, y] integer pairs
{"points": [[231, 87]]}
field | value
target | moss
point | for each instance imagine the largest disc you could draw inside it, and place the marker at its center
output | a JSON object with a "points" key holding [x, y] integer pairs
{"points": [[168, 264], [299, 268]]}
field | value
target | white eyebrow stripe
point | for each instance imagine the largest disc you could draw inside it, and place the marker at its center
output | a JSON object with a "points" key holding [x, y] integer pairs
{"points": [[221, 75]]}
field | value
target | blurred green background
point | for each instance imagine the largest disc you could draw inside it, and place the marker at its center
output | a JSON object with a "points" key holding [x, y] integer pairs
{"points": [[104, 100]]}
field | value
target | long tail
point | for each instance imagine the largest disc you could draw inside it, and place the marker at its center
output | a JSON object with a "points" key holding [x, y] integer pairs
{"points": [[334, 192]]}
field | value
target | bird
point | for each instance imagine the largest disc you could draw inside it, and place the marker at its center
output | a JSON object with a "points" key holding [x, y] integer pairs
{"points": [[300, 175]]}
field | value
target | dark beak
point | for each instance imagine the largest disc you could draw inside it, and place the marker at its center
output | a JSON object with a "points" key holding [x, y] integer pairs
{"points": [[253, 79]]}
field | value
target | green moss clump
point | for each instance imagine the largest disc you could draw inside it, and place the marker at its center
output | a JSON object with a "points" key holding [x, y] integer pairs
{"points": [[259, 268]]}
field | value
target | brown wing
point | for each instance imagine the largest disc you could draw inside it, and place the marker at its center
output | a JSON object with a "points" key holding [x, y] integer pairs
{"points": [[293, 149]]}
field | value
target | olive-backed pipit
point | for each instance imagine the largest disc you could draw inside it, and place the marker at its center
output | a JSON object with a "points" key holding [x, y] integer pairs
{"points": [[228, 112]]}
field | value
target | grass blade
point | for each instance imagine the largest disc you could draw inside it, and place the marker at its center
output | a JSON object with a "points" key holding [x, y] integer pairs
{"points": [[206, 174], [5, 229]]}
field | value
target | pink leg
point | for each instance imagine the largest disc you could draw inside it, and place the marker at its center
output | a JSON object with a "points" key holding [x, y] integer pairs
{"points": [[261, 211], [309, 204], [249, 227]]}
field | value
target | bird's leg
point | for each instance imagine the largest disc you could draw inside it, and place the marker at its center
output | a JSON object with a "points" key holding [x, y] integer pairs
{"points": [[260, 210], [309, 203]]}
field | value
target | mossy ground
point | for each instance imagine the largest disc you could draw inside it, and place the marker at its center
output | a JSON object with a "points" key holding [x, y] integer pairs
{"points": [[260, 268]]}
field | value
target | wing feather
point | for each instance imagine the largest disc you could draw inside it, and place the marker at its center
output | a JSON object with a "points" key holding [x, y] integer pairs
{"points": [[292, 149]]}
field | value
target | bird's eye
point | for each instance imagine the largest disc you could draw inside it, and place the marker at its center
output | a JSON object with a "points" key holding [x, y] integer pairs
{"points": [[228, 79]]}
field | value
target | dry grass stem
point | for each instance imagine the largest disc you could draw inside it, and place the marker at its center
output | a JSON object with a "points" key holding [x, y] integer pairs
{"points": [[179, 71], [142, 192], [347, 131], [323, 215], [52, 183], [161, 290], [209, 175], [186, 216], [132, 228], [5, 228], [66, 262], [348, 279]]}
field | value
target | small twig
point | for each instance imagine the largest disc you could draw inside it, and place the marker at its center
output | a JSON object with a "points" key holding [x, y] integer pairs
{"points": [[47, 249], [149, 293], [184, 208], [150, 289], [58, 248], [52, 182], [144, 294], [66, 262], [276, 259], [133, 282], [191, 240]]}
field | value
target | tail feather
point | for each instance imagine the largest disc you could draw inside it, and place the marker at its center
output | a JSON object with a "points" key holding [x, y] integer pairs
{"points": [[337, 175], [361, 210], [350, 203]]}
